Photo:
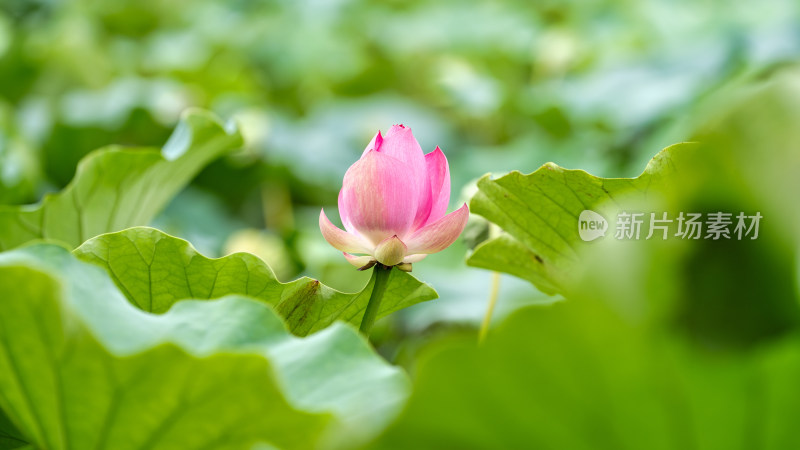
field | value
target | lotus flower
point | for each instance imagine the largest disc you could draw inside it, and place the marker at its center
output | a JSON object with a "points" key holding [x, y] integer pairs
{"points": [[393, 203]]}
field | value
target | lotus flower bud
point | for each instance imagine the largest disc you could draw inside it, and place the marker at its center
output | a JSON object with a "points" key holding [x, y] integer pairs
{"points": [[393, 203]]}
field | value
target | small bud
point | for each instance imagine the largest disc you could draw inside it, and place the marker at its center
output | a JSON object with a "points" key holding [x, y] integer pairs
{"points": [[390, 251]]}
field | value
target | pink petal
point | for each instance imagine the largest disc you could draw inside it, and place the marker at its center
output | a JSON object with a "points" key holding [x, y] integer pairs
{"points": [[339, 239], [423, 209], [358, 261], [410, 259], [376, 197], [374, 144], [438, 235], [439, 180], [400, 143], [344, 215]]}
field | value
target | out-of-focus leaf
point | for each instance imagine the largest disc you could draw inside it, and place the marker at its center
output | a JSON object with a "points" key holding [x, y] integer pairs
{"points": [[200, 217], [540, 213], [19, 164], [155, 270], [80, 367], [115, 188], [734, 292], [10, 437], [580, 376]]}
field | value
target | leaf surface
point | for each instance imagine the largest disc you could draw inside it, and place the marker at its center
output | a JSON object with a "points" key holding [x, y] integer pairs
{"points": [[539, 212], [116, 188], [80, 367], [155, 270]]}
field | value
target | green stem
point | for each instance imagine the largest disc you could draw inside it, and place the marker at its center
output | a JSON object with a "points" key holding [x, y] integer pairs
{"points": [[487, 319], [380, 274]]}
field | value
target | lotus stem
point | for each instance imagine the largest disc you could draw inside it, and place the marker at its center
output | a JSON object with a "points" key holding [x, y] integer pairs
{"points": [[493, 294], [380, 274]]}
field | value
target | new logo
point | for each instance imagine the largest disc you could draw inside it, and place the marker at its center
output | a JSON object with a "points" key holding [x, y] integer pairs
{"points": [[591, 225]]}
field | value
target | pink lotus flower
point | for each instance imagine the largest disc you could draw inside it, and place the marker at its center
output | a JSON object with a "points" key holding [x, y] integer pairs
{"points": [[393, 203]]}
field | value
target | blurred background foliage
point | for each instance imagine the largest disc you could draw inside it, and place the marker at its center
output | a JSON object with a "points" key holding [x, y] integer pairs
{"points": [[599, 85], [668, 344]]}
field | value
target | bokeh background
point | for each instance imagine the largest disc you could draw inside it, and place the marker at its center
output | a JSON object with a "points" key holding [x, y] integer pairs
{"points": [[599, 85]]}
